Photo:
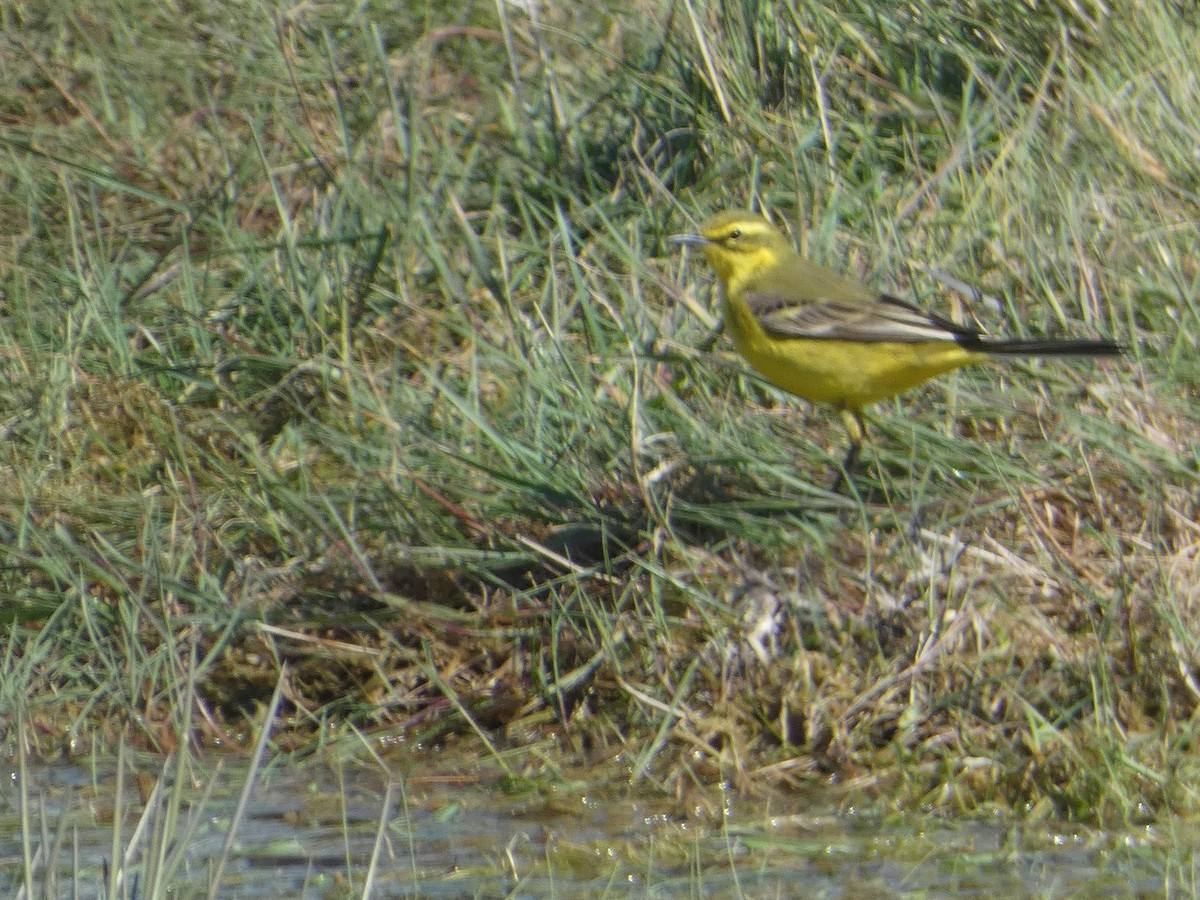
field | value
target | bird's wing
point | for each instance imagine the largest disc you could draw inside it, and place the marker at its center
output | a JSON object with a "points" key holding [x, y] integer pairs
{"points": [[884, 318]]}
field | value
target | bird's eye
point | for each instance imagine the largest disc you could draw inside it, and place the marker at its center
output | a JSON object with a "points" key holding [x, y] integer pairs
{"points": [[735, 234]]}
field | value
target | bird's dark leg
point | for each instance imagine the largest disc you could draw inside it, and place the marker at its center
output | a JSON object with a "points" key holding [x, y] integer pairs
{"points": [[856, 428]]}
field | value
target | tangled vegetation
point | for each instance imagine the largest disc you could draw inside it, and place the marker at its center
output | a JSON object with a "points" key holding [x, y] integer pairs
{"points": [[344, 347]]}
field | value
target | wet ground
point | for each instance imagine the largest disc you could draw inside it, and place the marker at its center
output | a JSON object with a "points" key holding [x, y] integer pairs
{"points": [[317, 833]]}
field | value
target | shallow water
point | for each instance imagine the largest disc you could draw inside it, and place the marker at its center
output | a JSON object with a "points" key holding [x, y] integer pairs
{"points": [[313, 833]]}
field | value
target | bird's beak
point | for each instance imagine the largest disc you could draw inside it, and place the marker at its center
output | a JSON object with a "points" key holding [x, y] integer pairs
{"points": [[691, 239]]}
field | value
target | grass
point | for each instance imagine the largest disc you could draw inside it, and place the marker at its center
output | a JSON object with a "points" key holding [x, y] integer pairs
{"points": [[349, 341]]}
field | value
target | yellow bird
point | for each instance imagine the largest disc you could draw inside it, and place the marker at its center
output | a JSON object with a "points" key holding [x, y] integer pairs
{"points": [[832, 339]]}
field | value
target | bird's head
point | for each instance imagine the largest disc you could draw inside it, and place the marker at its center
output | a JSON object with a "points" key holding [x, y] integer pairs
{"points": [[737, 244]]}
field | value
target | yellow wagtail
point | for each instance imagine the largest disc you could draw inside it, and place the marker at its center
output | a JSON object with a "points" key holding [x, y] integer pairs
{"points": [[831, 339]]}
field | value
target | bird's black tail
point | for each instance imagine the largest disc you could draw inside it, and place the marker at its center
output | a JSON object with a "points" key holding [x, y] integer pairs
{"points": [[1086, 347]]}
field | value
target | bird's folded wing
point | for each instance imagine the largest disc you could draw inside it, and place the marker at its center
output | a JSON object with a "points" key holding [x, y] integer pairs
{"points": [[884, 319]]}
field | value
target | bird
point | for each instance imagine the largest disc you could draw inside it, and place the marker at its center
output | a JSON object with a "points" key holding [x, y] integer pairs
{"points": [[832, 339]]}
